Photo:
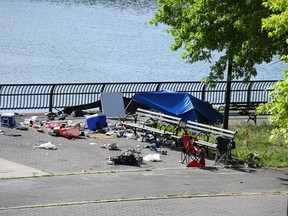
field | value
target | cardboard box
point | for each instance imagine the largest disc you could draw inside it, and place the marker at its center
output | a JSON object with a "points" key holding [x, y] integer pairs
{"points": [[95, 122], [8, 120]]}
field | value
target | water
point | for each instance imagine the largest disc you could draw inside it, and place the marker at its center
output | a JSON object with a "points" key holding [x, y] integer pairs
{"points": [[72, 41]]}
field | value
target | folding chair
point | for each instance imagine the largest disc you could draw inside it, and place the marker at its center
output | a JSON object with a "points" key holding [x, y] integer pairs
{"points": [[191, 153], [223, 149]]}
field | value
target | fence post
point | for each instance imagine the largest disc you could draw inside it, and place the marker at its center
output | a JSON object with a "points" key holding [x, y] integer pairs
{"points": [[203, 92], [158, 86], [1, 93], [51, 98], [249, 92]]}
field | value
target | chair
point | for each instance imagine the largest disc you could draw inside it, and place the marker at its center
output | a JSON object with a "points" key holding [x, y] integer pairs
{"points": [[223, 149], [191, 153]]}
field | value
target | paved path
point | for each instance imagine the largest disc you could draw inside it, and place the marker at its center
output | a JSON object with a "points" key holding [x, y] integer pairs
{"points": [[76, 179]]}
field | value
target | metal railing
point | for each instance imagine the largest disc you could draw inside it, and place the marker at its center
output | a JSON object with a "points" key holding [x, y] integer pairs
{"points": [[57, 96]]}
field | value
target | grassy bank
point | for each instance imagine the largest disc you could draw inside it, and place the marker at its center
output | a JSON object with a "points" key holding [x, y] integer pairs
{"points": [[253, 146]]}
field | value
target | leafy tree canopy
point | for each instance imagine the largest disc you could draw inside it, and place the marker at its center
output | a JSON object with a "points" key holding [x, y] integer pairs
{"points": [[277, 22], [277, 107], [233, 28]]}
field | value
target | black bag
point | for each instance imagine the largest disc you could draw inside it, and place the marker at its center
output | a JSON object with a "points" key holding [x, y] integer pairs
{"points": [[222, 144], [127, 158]]}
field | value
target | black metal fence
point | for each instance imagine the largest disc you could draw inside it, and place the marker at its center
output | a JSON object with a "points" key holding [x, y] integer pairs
{"points": [[57, 96]]}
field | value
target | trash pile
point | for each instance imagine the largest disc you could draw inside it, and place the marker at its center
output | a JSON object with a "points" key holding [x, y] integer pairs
{"points": [[132, 156], [95, 126]]}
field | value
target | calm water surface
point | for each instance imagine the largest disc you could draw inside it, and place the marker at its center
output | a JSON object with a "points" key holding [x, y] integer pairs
{"points": [[54, 41]]}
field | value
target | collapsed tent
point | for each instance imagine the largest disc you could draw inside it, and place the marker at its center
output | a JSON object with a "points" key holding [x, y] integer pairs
{"points": [[180, 104]]}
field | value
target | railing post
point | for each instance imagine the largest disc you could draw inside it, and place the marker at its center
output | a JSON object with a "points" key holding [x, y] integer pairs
{"points": [[1, 93], [51, 98], [102, 88], [249, 92], [158, 86], [203, 92]]}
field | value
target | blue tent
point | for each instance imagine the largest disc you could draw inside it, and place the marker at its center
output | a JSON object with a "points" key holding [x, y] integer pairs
{"points": [[181, 105]]}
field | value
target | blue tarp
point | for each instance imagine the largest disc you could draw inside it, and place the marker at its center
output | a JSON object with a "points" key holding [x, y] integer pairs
{"points": [[180, 104]]}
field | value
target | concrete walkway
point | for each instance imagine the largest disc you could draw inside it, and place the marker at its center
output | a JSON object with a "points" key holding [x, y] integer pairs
{"points": [[76, 179]]}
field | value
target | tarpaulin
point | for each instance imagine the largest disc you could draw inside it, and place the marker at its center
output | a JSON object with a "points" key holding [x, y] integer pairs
{"points": [[180, 104]]}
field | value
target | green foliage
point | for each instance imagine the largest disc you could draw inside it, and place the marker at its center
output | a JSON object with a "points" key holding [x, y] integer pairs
{"points": [[253, 146], [277, 107], [233, 28], [278, 21]]}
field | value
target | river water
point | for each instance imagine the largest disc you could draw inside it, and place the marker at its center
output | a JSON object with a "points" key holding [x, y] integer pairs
{"points": [[72, 41]]}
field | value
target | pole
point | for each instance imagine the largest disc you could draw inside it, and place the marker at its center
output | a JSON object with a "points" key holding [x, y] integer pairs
{"points": [[227, 95]]}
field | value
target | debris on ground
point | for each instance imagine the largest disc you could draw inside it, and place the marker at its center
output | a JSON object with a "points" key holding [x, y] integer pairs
{"points": [[47, 146], [126, 158], [111, 146], [153, 157], [9, 134]]}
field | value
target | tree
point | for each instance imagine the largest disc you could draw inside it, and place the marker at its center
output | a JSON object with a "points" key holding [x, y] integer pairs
{"points": [[277, 107], [233, 28], [277, 22]]}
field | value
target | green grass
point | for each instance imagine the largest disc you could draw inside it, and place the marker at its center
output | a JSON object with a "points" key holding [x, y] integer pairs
{"points": [[253, 146]]}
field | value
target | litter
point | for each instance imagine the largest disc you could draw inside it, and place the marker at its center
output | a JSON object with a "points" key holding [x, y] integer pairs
{"points": [[130, 135], [70, 132], [48, 146], [21, 127], [112, 146], [164, 152], [52, 124], [154, 157], [155, 147], [102, 136], [109, 133], [34, 119], [50, 115], [126, 158], [7, 134]]}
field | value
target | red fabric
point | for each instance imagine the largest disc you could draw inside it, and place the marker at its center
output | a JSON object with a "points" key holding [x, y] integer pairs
{"points": [[186, 139], [195, 163]]}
